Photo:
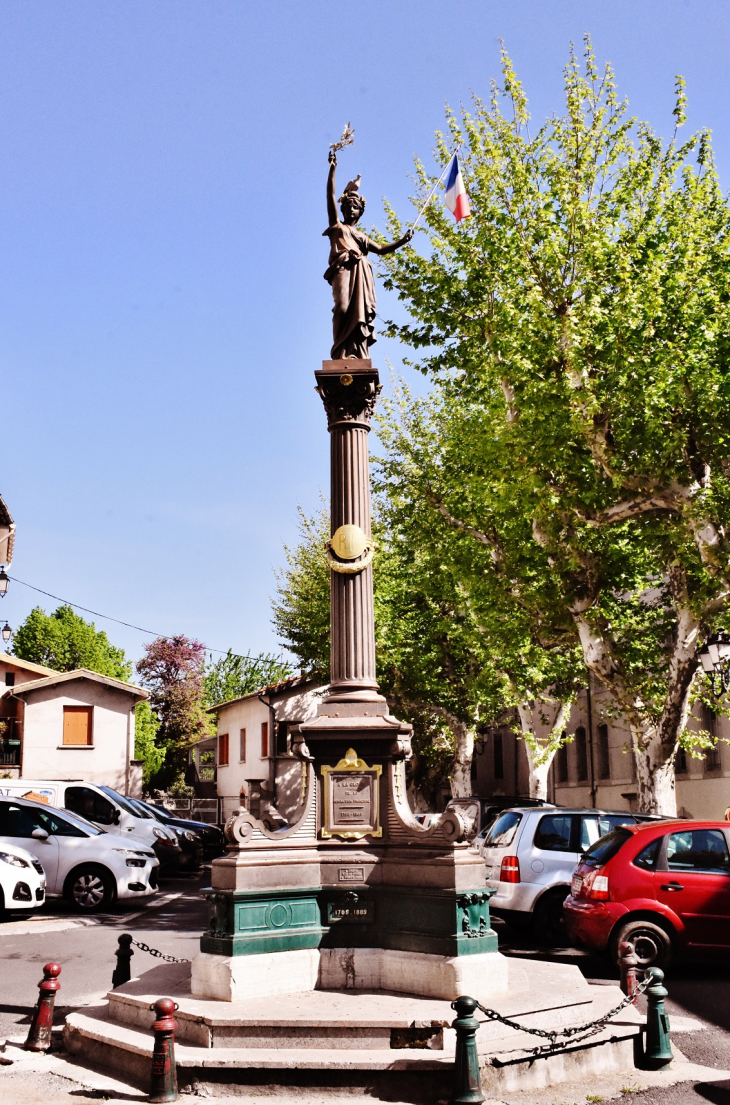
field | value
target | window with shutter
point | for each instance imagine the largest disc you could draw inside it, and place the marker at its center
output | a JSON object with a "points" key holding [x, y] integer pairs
{"points": [[77, 725], [264, 739], [223, 749], [242, 745]]}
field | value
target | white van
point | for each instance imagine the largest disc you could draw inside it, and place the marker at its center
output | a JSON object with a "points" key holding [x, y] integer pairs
{"points": [[102, 807]]}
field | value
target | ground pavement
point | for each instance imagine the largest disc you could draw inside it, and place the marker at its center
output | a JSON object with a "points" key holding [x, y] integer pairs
{"points": [[85, 948]]}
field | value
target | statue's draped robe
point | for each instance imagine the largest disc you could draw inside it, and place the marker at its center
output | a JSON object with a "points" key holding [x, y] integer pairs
{"points": [[353, 288]]}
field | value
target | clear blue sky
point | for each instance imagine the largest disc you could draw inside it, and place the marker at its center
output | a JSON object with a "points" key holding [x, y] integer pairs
{"points": [[162, 307]]}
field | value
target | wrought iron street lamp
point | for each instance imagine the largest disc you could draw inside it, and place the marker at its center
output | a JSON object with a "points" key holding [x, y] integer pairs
{"points": [[6, 632], [715, 659], [4, 581]]}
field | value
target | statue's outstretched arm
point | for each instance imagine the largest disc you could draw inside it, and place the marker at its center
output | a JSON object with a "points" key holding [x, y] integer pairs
{"points": [[392, 246], [331, 190]]}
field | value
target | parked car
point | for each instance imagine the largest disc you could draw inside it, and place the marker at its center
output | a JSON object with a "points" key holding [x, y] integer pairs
{"points": [[531, 853], [165, 843], [88, 867], [481, 812], [102, 806], [191, 846], [214, 842], [22, 880], [663, 888]]}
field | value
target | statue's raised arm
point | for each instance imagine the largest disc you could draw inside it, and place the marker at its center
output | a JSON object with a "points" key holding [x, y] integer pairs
{"points": [[349, 272]]}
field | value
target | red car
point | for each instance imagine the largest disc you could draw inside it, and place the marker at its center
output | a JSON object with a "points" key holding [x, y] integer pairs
{"points": [[663, 886]]}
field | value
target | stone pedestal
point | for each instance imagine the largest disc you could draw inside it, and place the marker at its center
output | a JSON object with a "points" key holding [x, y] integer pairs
{"points": [[356, 888]]}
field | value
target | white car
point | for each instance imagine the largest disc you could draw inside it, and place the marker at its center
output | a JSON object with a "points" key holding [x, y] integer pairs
{"points": [[88, 867], [22, 880]]}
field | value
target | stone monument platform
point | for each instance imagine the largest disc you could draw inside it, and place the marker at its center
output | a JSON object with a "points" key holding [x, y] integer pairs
{"points": [[393, 1046]]}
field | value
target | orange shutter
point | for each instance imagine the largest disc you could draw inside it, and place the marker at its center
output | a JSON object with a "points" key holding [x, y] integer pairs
{"points": [[264, 739], [77, 727], [223, 748]]}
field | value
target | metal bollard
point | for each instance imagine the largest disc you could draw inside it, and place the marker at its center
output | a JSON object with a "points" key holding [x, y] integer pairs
{"points": [[467, 1083], [39, 1033], [627, 961], [657, 1048], [123, 970], [163, 1081]]}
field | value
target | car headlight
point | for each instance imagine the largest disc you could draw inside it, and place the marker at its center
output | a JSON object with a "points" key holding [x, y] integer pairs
{"points": [[160, 833], [14, 861], [189, 835]]}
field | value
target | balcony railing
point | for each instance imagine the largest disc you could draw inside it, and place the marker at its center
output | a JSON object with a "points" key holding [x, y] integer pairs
{"points": [[11, 732]]}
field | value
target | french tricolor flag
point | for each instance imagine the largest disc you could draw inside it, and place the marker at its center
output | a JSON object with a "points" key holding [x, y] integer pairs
{"points": [[456, 198]]}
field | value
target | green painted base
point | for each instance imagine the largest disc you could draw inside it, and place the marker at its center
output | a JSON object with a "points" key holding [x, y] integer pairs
{"points": [[251, 922], [437, 922]]}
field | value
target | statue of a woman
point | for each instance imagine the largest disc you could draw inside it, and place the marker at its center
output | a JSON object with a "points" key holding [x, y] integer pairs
{"points": [[349, 271]]}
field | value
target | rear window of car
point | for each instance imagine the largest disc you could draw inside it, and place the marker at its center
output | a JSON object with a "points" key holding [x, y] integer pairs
{"points": [[606, 848], [553, 833], [502, 832], [647, 857]]}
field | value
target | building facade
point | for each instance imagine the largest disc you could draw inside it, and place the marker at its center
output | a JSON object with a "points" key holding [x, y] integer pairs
{"points": [[254, 766], [596, 769], [67, 725]]}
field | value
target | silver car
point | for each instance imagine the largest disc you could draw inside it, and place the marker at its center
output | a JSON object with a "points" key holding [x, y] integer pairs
{"points": [[530, 854]]}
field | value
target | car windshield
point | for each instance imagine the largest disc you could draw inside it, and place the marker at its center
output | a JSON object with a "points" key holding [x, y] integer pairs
{"points": [[123, 802], [502, 832], [139, 807], [152, 811], [606, 848]]}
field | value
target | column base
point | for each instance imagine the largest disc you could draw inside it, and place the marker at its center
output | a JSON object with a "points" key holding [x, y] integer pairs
{"points": [[239, 978]]}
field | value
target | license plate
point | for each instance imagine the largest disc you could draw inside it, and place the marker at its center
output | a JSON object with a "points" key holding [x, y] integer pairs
{"points": [[576, 885]]}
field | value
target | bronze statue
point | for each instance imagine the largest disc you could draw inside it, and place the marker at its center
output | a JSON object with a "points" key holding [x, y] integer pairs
{"points": [[349, 272]]}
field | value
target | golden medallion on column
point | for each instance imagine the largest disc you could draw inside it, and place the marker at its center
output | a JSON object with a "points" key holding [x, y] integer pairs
{"points": [[349, 549]]}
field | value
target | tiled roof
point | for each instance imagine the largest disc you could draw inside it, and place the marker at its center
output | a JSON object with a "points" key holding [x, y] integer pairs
{"points": [[272, 688]]}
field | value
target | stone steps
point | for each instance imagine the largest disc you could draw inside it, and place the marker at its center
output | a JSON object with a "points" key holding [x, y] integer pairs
{"points": [[379, 1043]]}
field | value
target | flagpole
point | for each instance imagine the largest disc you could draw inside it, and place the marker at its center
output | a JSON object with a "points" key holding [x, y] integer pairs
{"points": [[414, 224]]}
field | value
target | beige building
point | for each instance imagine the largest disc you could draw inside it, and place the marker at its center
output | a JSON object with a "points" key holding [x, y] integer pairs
{"points": [[596, 768], [67, 725], [254, 766]]}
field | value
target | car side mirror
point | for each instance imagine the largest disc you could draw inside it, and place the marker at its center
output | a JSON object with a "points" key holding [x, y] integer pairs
{"points": [[116, 817], [39, 834]]}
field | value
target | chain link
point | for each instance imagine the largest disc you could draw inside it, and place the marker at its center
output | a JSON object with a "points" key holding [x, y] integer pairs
{"points": [[590, 1028], [157, 954]]}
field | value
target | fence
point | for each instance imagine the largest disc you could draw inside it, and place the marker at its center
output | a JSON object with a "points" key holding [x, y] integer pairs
{"points": [[196, 809]]}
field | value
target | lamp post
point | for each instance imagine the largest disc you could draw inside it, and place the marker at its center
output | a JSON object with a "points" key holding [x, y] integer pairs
{"points": [[6, 632], [715, 659], [4, 581]]}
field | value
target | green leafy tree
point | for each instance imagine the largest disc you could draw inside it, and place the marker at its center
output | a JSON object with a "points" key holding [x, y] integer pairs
{"points": [[65, 641], [234, 676], [435, 661], [146, 747], [575, 332]]}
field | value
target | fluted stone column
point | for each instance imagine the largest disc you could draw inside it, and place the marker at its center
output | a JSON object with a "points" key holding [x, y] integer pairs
{"points": [[349, 390]]}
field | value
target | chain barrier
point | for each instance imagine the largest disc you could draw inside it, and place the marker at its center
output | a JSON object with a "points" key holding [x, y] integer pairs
{"points": [[157, 954], [590, 1028]]}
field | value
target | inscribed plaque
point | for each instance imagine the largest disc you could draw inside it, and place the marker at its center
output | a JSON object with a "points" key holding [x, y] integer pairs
{"points": [[351, 798]]}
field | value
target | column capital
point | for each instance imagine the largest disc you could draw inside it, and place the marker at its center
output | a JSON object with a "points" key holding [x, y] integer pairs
{"points": [[349, 389]]}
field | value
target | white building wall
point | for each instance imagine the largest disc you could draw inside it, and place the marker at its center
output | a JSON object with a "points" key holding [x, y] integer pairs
{"points": [[105, 761]]}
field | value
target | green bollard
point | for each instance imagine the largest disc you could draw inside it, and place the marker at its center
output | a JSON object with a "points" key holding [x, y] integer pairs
{"points": [[657, 1048], [467, 1084]]}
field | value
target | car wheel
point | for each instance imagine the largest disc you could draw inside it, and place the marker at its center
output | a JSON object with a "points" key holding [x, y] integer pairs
{"points": [[89, 888], [549, 920], [650, 943]]}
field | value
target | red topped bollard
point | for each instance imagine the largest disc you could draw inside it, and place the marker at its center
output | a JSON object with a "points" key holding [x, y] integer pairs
{"points": [[39, 1033], [163, 1081], [627, 964]]}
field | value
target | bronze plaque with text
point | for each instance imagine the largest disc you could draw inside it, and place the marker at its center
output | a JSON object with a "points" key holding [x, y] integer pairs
{"points": [[351, 798]]}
